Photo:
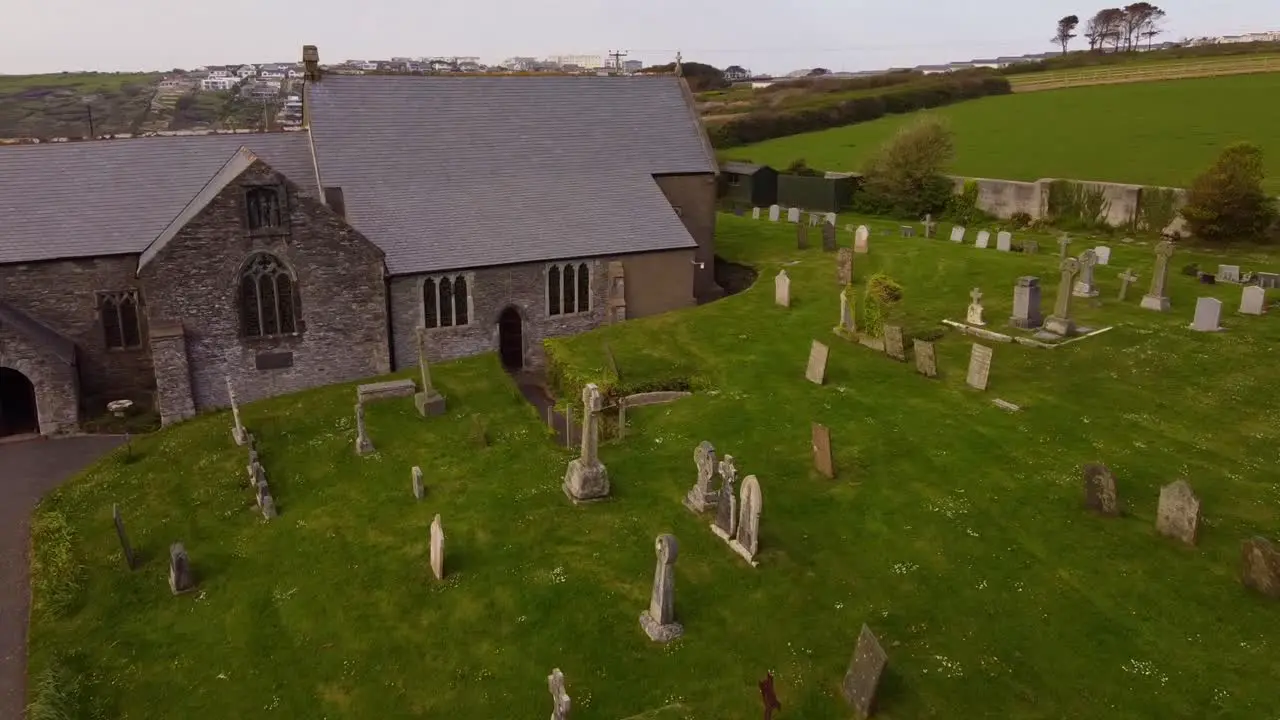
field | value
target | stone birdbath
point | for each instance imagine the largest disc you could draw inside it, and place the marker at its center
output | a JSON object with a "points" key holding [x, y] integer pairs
{"points": [[119, 408]]}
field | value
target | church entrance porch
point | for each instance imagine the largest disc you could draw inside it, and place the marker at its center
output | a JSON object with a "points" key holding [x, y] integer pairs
{"points": [[18, 413]]}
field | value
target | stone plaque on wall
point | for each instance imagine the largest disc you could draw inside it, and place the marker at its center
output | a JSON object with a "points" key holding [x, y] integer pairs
{"points": [[273, 360]]}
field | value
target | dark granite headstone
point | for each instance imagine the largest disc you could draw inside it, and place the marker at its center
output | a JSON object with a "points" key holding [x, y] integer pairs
{"points": [[181, 580]]}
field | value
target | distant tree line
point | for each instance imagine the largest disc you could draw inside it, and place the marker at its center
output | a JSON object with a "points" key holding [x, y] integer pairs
{"points": [[1116, 29]]}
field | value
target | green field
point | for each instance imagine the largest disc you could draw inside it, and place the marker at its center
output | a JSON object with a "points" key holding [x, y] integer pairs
{"points": [[954, 529], [1158, 133]]}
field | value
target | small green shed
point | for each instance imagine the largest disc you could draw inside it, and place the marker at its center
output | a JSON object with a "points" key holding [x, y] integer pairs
{"points": [[747, 184]]}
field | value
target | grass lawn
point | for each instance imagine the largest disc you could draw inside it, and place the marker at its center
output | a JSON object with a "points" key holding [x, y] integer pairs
{"points": [[1158, 133], [954, 529]]}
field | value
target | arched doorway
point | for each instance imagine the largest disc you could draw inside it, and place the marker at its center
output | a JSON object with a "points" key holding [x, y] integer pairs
{"points": [[18, 413], [511, 339]]}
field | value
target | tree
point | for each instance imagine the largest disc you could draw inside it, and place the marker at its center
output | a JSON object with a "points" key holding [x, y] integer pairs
{"points": [[699, 75], [819, 71], [1106, 26], [906, 173], [1136, 19], [1227, 202], [1151, 26], [1066, 31]]}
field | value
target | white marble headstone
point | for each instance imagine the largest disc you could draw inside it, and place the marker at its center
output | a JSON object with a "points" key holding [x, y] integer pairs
{"points": [[782, 289], [774, 213], [831, 218], [1229, 273], [793, 215], [957, 234], [860, 237], [984, 239], [1103, 254], [1253, 300], [755, 213], [1004, 241], [1208, 313]]}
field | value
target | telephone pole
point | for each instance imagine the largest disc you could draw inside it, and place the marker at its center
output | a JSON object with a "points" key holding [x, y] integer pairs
{"points": [[617, 56], [89, 109]]}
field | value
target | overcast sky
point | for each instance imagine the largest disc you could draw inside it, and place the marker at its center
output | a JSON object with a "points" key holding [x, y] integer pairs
{"points": [[773, 36]]}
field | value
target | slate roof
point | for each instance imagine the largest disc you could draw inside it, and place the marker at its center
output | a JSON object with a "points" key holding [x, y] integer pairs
{"points": [[114, 197], [447, 173]]}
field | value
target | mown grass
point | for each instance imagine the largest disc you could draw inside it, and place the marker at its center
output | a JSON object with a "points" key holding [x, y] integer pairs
{"points": [[1158, 133], [954, 529]]}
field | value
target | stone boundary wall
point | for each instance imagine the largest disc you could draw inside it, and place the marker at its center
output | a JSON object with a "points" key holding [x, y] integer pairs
{"points": [[1003, 198]]}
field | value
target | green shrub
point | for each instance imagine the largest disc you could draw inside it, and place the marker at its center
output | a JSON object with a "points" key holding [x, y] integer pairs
{"points": [[905, 175], [1157, 207], [800, 167], [1226, 202], [1020, 220], [881, 294], [56, 575], [962, 208], [1077, 206]]}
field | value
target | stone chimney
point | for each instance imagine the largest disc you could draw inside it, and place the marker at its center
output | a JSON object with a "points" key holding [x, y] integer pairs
{"points": [[311, 63]]}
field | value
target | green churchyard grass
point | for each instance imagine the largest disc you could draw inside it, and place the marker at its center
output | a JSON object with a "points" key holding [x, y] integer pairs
{"points": [[954, 529], [1156, 133]]}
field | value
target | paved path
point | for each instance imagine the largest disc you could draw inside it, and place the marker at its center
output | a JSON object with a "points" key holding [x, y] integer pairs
{"points": [[28, 470]]}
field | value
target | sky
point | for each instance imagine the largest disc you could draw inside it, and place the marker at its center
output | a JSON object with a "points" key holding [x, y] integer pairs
{"points": [[765, 36]]}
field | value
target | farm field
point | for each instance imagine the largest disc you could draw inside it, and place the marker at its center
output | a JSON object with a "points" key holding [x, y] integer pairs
{"points": [[953, 529], [1138, 71], [1158, 133]]}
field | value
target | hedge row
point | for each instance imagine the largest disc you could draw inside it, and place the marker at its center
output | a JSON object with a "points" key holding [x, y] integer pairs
{"points": [[1087, 58], [933, 91]]}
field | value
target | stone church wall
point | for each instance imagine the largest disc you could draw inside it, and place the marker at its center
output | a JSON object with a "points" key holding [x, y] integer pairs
{"points": [[695, 197]]}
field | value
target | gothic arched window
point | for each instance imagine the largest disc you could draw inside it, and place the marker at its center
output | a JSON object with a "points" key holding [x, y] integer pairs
{"points": [[267, 302]]}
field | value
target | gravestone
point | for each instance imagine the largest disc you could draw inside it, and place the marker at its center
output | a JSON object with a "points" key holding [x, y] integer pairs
{"points": [[1063, 244], [828, 237], [1030, 247], [181, 579], [926, 359], [974, 314], [1100, 490], [726, 520], [364, 445], [266, 503], [429, 402], [1103, 253], [746, 542], [775, 213], [560, 702], [930, 227], [238, 433], [415, 476], [1004, 241], [1267, 280], [984, 239], [738, 210], [1260, 567], [1126, 278], [1178, 515], [979, 367], [1253, 300], [1156, 298], [1026, 303], [129, 559], [816, 371], [659, 621], [860, 239], [848, 326], [1207, 278], [830, 219], [793, 215], [702, 496], [1084, 285], [437, 548], [755, 213], [844, 266], [814, 219], [893, 343], [1208, 313], [862, 679], [802, 236], [1060, 322], [908, 231], [586, 479], [1228, 273], [957, 234], [822, 450], [782, 289]]}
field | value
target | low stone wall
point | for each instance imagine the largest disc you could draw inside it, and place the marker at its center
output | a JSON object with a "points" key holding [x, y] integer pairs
{"points": [[1003, 198]]}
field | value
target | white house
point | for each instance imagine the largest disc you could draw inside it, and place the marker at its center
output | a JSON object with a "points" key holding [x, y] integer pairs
{"points": [[219, 72], [219, 82], [246, 71]]}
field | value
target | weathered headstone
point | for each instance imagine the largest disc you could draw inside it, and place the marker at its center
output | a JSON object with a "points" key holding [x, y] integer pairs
{"points": [[844, 266], [1063, 243], [1253, 300], [1030, 247], [830, 219], [1267, 280], [1103, 253], [908, 231], [437, 548], [746, 541], [1260, 567], [1208, 313], [1228, 273], [726, 521], [802, 236], [1178, 514], [822, 450], [429, 402], [926, 359], [129, 559], [894, 346], [1060, 322], [755, 213], [979, 367], [1126, 278], [793, 215], [560, 702], [181, 579], [1084, 285], [984, 239], [775, 213], [860, 239], [957, 234], [266, 503], [828, 237], [862, 679], [1100, 490], [702, 496], [237, 430], [813, 219], [974, 315], [415, 476], [1004, 241], [848, 327], [816, 371], [586, 478], [659, 621], [782, 289], [1156, 298], [1026, 303], [364, 445]]}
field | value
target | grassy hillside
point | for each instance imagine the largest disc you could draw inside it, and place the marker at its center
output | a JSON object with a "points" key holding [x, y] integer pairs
{"points": [[1151, 71], [954, 528], [1159, 133]]}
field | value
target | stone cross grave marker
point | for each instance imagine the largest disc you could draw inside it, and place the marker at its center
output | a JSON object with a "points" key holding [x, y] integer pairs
{"points": [[726, 521], [560, 702], [659, 621], [848, 326], [862, 679], [979, 367], [822, 450], [364, 445], [844, 266], [586, 478], [1228, 273], [957, 234], [860, 239], [237, 430], [181, 579], [1030, 247], [1156, 298], [429, 402], [1063, 243], [1260, 567], [893, 343], [1084, 285], [416, 478], [782, 289], [755, 213], [1253, 300], [793, 215], [746, 541], [802, 236], [1060, 322], [1126, 278], [828, 237], [775, 213], [1208, 313], [129, 558], [926, 359], [702, 496], [1178, 515], [1004, 241], [816, 371], [930, 227], [974, 314], [1100, 490], [437, 548], [769, 696], [1026, 303]]}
